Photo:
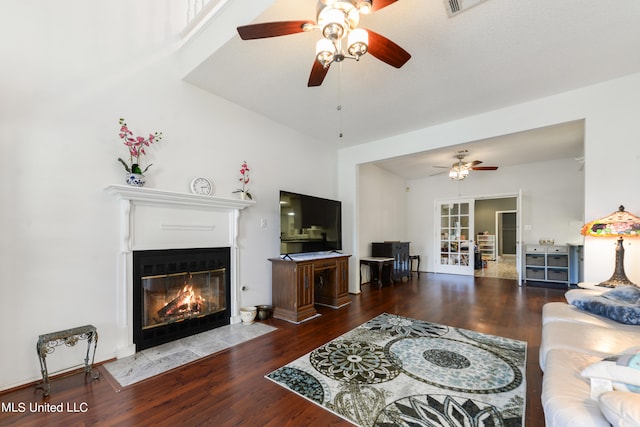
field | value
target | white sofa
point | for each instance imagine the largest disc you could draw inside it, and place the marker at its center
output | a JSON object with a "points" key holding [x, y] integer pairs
{"points": [[572, 340]]}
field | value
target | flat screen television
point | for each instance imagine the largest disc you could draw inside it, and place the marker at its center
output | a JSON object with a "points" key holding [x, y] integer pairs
{"points": [[309, 224]]}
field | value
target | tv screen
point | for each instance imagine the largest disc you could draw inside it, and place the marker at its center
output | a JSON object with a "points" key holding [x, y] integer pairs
{"points": [[309, 224]]}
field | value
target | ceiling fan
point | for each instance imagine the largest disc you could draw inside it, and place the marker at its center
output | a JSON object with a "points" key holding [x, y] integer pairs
{"points": [[341, 38], [459, 170]]}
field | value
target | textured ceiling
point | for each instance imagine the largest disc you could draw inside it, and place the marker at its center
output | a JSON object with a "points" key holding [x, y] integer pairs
{"points": [[497, 54]]}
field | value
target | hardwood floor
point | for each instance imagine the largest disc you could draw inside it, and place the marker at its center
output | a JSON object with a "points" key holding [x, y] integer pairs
{"points": [[229, 388]]}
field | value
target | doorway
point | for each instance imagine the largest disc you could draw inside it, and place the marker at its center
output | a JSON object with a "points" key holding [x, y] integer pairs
{"points": [[506, 232], [496, 222]]}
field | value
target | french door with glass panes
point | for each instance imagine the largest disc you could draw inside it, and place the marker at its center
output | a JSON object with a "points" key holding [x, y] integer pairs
{"points": [[454, 237]]}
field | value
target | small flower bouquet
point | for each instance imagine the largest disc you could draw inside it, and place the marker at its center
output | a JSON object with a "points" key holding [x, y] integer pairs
{"points": [[136, 146], [244, 179]]}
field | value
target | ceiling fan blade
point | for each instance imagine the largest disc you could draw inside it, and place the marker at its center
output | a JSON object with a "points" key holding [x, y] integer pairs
{"points": [[318, 72], [386, 50], [271, 29], [379, 4], [484, 168], [471, 165]]}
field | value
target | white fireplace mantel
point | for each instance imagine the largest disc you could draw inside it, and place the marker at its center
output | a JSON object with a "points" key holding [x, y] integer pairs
{"points": [[160, 219], [153, 195]]}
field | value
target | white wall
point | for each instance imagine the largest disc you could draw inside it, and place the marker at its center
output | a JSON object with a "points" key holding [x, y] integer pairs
{"points": [[78, 68], [612, 156], [382, 205], [552, 195]]}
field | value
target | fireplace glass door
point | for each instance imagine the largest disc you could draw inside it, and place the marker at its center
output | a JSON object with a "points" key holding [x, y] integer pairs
{"points": [[175, 297], [179, 292]]}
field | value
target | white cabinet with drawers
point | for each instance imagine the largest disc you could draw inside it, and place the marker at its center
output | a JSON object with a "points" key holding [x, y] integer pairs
{"points": [[546, 263]]}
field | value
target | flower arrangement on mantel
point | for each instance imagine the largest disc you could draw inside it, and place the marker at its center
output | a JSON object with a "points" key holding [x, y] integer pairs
{"points": [[136, 146], [244, 179]]}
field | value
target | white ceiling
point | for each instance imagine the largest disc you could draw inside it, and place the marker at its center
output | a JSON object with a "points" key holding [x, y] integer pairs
{"points": [[562, 141], [497, 54]]}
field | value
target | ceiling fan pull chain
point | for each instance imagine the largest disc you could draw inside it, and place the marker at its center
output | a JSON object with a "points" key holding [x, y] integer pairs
{"points": [[339, 108]]}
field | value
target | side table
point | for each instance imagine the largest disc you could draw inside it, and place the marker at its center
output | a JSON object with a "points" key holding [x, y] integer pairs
{"points": [[380, 263], [593, 286], [47, 344]]}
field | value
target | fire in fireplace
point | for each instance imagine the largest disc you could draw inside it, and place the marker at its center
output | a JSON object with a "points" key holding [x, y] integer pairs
{"points": [[171, 298], [179, 292]]}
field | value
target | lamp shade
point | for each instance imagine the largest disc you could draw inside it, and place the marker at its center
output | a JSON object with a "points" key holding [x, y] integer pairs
{"points": [[358, 42], [365, 7], [333, 24], [325, 52], [619, 224]]}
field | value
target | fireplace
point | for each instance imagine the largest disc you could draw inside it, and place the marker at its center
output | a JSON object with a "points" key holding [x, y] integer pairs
{"points": [[178, 293], [155, 222]]}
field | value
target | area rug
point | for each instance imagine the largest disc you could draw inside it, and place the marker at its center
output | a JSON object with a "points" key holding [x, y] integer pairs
{"points": [[160, 359], [397, 371]]}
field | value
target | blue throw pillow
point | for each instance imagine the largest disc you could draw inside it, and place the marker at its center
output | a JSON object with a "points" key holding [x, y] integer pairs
{"points": [[621, 304], [628, 294]]}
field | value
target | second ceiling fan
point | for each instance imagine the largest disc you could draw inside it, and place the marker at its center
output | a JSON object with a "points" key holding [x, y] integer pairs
{"points": [[459, 170], [341, 37]]}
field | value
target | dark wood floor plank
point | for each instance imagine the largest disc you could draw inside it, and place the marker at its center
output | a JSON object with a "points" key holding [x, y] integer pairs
{"points": [[229, 388]]}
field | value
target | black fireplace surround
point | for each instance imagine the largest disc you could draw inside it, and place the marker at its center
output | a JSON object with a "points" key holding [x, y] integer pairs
{"points": [[178, 293]]}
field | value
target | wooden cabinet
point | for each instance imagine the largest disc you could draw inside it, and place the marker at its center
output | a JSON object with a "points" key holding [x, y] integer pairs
{"points": [[547, 264], [299, 283], [399, 251]]}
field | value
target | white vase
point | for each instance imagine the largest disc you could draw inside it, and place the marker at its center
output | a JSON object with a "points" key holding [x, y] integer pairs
{"points": [[135, 179], [243, 195]]}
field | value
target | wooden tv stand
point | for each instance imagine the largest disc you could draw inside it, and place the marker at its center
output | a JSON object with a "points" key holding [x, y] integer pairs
{"points": [[302, 280]]}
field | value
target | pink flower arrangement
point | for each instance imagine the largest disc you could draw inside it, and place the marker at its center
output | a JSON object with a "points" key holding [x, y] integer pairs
{"points": [[136, 146], [244, 179]]}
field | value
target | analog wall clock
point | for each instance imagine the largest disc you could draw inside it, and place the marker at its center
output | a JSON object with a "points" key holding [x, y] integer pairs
{"points": [[202, 186]]}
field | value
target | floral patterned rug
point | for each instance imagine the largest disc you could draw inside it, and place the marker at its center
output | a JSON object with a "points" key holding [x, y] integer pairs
{"points": [[397, 371]]}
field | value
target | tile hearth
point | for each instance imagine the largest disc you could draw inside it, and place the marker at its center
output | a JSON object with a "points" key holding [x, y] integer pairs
{"points": [[156, 360]]}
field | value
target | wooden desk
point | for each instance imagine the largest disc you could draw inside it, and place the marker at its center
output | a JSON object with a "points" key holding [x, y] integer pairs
{"points": [[380, 263], [301, 281]]}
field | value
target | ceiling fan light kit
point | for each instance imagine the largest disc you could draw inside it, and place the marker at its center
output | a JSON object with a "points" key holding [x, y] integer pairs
{"points": [[338, 22], [458, 174], [459, 170]]}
